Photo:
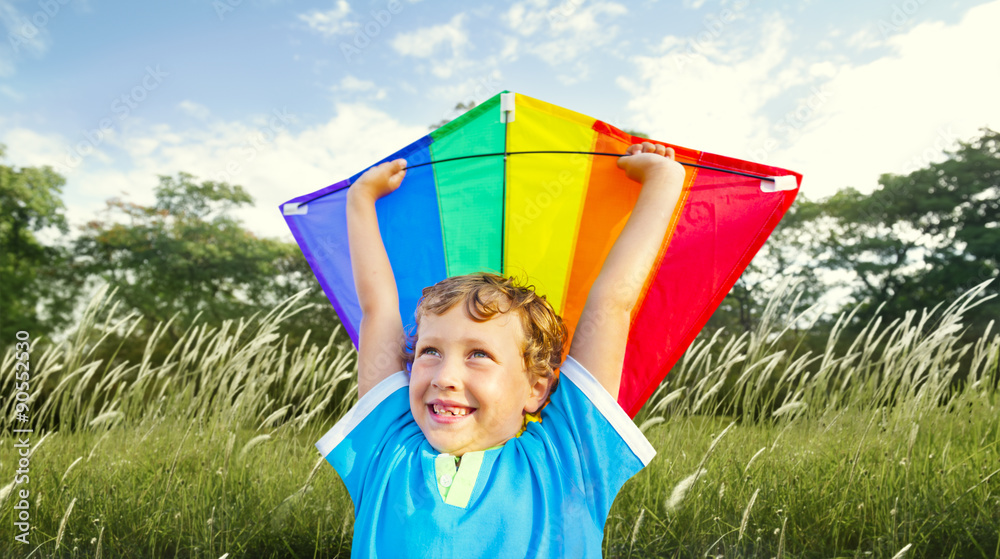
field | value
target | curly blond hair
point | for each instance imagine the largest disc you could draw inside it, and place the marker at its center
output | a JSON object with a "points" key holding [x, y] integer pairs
{"points": [[487, 295]]}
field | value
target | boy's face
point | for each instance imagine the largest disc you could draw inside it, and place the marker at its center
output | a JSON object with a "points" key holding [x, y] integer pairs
{"points": [[468, 385]]}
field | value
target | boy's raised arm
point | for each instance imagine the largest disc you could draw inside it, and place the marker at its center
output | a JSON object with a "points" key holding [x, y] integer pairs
{"points": [[381, 329], [601, 334]]}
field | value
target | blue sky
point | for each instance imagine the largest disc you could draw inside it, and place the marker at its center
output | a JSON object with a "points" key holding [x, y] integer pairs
{"points": [[286, 97]]}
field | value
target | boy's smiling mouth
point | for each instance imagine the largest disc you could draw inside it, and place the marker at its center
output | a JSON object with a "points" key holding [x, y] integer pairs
{"points": [[448, 412]]}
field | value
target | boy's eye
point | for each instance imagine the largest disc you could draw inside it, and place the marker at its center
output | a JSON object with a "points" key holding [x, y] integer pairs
{"points": [[480, 354], [429, 351]]}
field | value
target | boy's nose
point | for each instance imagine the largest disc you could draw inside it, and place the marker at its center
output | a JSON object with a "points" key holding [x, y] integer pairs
{"points": [[448, 376]]}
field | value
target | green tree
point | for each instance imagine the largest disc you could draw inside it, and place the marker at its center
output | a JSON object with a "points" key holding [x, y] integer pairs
{"points": [[923, 238], [187, 256], [38, 286]]}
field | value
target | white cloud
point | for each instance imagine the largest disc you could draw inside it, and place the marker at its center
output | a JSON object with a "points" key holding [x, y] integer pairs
{"points": [[22, 35], [840, 124], [563, 34], [708, 98], [28, 148], [898, 113], [525, 17], [353, 85], [331, 22], [431, 43], [263, 154], [425, 42], [196, 110], [509, 53]]}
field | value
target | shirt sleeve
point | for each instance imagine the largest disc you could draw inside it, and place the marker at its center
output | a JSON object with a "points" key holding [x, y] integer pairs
{"points": [[366, 433], [596, 442]]}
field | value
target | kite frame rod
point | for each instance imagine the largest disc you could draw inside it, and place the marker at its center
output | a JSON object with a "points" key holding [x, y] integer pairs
{"points": [[506, 153]]}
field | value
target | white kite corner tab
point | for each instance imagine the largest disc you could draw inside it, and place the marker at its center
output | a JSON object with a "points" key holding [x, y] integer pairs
{"points": [[506, 107], [292, 208], [778, 184]]}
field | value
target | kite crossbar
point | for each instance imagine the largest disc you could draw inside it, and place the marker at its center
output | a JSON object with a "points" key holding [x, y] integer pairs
{"points": [[696, 165], [778, 183]]}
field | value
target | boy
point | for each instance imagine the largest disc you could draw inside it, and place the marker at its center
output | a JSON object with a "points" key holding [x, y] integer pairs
{"points": [[452, 457]]}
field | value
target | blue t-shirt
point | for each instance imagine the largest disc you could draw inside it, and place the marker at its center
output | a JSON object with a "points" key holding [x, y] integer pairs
{"points": [[546, 493]]}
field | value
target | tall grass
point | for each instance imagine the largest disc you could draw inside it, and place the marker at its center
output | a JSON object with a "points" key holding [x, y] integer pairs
{"points": [[240, 374], [886, 447], [891, 444], [917, 364]]}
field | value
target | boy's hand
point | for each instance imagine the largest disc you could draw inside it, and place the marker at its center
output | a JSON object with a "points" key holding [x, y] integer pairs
{"points": [[647, 161], [380, 180]]}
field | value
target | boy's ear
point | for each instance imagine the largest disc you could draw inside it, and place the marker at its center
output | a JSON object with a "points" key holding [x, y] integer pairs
{"points": [[539, 392]]}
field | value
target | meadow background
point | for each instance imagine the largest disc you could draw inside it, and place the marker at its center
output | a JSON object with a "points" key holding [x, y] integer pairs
{"points": [[885, 443]]}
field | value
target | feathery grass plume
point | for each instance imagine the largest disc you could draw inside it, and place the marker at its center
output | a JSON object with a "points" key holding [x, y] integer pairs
{"points": [[63, 480], [100, 541], [665, 401], [638, 525], [752, 458], [680, 491], [252, 443], [97, 444], [347, 525], [785, 429], [635, 529], [746, 514], [312, 473], [652, 421], [304, 487], [781, 539], [708, 394], [35, 448], [62, 524], [5, 492], [715, 442], [789, 408], [275, 417], [109, 417], [902, 552], [230, 441]]}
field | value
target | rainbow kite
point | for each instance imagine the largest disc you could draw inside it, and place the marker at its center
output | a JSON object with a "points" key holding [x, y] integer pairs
{"points": [[521, 187]]}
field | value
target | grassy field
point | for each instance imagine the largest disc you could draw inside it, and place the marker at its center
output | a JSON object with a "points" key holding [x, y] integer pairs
{"points": [[886, 447]]}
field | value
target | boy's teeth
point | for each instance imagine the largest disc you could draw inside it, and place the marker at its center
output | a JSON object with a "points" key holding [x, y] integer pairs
{"points": [[441, 409]]}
